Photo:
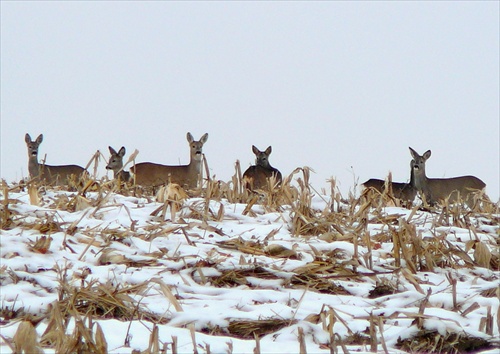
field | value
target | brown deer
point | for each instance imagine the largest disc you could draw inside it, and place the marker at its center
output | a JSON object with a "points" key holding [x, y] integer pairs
{"points": [[405, 192], [115, 164], [437, 190], [153, 174], [257, 176], [51, 175]]}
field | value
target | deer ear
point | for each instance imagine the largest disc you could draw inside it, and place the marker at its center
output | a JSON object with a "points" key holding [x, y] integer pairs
{"points": [[39, 139], [204, 138], [255, 150], [427, 154], [189, 138], [122, 151], [111, 150], [269, 150], [413, 153], [27, 138]]}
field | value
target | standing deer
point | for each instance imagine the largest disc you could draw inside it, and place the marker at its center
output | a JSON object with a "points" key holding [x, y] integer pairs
{"points": [[405, 192], [153, 175], [52, 175], [436, 190], [257, 176], [115, 164]]}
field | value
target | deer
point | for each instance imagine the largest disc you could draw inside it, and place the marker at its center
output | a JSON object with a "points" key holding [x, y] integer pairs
{"points": [[437, 190], [51, 175], [405, 192], [257, 176], [150, 174], [115, 164]]}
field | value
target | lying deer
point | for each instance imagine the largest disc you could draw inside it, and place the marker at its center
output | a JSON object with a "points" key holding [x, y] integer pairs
{"points": [[115, 164], [51, 175], [153, 174], [405, 192], [257, 176], [436, 190]]}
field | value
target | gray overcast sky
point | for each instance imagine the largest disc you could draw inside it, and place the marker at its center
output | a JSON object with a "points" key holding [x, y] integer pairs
{"points": [[342, 87]]}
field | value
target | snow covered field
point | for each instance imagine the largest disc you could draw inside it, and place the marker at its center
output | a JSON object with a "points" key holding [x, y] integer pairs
{"points": [[121, 273]]}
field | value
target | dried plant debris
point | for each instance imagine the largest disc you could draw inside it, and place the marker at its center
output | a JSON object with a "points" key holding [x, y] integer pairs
{"points": [[9, 313], [41, 245], [26, 340], [491, 292], [110, 256], [83, 339], [103, 301], [48, 226], [381, 290], [248, 329], [237, 277], [434, 342], [314, 282], [357, 339]]}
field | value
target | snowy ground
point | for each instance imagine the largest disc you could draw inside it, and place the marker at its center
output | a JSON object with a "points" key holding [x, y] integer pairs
{"points": [[172, 273]]}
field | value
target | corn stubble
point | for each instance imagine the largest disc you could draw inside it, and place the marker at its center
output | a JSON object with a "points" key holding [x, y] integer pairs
{"points": [[342, 220]]}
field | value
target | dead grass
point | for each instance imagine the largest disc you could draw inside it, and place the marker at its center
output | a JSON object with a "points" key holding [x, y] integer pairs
{"points": [[316, 283], [249, 329], [86, 337], [451, 343], [104, 301], [25, 340], [382, 289], [237, 277]]}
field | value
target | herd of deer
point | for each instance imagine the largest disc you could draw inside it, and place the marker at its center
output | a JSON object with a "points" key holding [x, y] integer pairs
{"points": [[148, 174]]}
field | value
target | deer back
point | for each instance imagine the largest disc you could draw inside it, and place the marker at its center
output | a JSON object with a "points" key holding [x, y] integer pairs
{"points": [[454, 189], [403, 191]]}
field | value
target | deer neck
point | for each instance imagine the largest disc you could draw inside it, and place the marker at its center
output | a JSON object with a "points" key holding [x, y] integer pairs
{"points": [[412, 178], [265, 164], [420, 180], [118, 172], [194, 167], [33, 166], [124, 176]]}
